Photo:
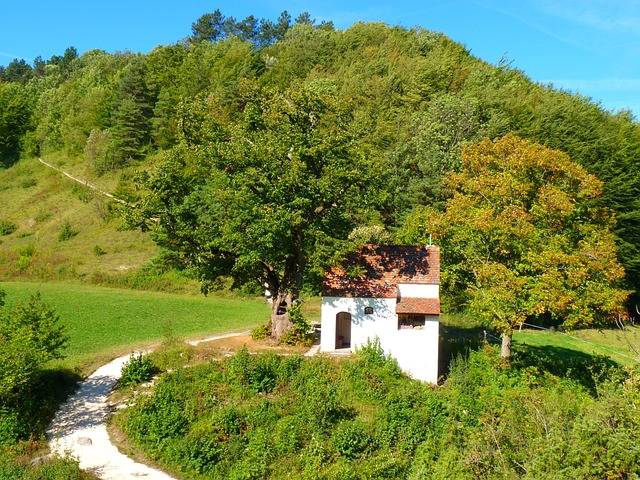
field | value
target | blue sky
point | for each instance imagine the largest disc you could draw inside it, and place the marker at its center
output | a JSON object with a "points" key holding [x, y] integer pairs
{"points": [[587, 46]]}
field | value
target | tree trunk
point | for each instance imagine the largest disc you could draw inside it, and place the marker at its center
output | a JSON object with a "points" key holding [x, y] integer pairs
{"points": [[280, 321], [505, 351]]}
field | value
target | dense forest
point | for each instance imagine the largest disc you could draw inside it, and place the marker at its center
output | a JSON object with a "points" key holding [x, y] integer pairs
{"points": [[402, 102]]}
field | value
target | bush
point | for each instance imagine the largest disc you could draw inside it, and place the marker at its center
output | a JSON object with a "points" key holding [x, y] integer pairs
{"points": [[66, 232], [140, 368], [29, 338], [257, 373], [28, 183], [99, 152], [15, 465], [372, 355], [260, 332], [264, 416], [298, 334], [7, 228], [352, 439]]}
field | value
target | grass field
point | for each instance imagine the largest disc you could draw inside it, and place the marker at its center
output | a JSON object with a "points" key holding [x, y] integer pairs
{"points": [[618, 344], [458, 331], [103, 323]]}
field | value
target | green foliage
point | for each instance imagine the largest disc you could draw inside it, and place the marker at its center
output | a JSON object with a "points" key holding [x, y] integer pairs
{"points": [[215, 26], [132, 112], [138, 369], [15, 110], [522, 239], [28, 183], [260, 332], [351, 439], [15, 465], [7, 228], [99, 152], [511, 421], [409, 101], [298, 334], [267, 415], [67, 232], [264, 198], [264, 416], [30, 337], [371, 352], [374, 234]]}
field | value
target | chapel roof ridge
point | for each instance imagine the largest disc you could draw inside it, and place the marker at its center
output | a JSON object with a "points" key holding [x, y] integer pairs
{"points": [[376, 270]]}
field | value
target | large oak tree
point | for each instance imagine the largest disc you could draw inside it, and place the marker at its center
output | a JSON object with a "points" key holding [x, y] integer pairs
{"points": [[267, 195], [522, 238]]}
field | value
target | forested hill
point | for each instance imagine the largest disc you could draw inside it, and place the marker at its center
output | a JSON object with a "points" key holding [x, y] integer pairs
{"points": [[416, 97]]}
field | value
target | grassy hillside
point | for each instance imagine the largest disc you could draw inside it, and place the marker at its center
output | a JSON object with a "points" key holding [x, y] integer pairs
{"points": [[37, 202], [264, 416]]}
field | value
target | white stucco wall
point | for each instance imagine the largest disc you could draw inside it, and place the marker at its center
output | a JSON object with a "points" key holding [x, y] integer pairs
{"points": [[415, 350], [418, 290]]}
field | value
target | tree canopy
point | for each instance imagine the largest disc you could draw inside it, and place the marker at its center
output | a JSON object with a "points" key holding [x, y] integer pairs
{"points": [[267, 197], [522, 238], [416, 98]]}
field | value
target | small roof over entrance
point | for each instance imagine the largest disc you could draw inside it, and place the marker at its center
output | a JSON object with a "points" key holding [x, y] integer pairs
{"points": [[420, 306]]}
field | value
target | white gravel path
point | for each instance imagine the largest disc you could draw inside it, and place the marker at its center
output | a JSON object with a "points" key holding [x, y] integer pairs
{"points": [[79, 429]]}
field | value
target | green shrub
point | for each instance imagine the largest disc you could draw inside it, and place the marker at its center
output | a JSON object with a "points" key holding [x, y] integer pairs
{"points": [[260, 332], [14, 466], [351, 439], [42, 216], [7, 228], [98, 251], [139, 368], [28, 250], [66, 232], [30, 337], [12, 427], [264, 416], [256, 373], [298, 334], [155, 420], [373, 356], [28, 183]]}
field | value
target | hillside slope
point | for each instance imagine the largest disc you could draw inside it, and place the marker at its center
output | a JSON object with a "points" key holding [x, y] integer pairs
{"points": [[416, 98], [55, 228]]}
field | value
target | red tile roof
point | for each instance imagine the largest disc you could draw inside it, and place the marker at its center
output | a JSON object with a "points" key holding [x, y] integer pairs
{"points": [[383, 267], [423, 306]]}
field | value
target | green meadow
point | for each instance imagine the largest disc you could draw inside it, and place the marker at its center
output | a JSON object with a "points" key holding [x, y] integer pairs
{"points": [[622, 346], [103, 323]]}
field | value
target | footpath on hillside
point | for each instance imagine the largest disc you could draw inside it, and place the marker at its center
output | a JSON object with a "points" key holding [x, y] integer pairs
{"points": [[84, 183], [79, 427]]}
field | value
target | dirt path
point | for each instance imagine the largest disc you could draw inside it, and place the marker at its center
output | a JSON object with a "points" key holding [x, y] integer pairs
{"points": [[84, 183], [79, 428]]}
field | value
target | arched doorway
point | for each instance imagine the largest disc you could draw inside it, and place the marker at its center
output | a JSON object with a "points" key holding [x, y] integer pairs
{"points": [[343, 330]]}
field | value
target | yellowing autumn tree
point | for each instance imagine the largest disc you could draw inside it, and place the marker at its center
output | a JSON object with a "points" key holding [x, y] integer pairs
{"points": [[522, 238]]}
